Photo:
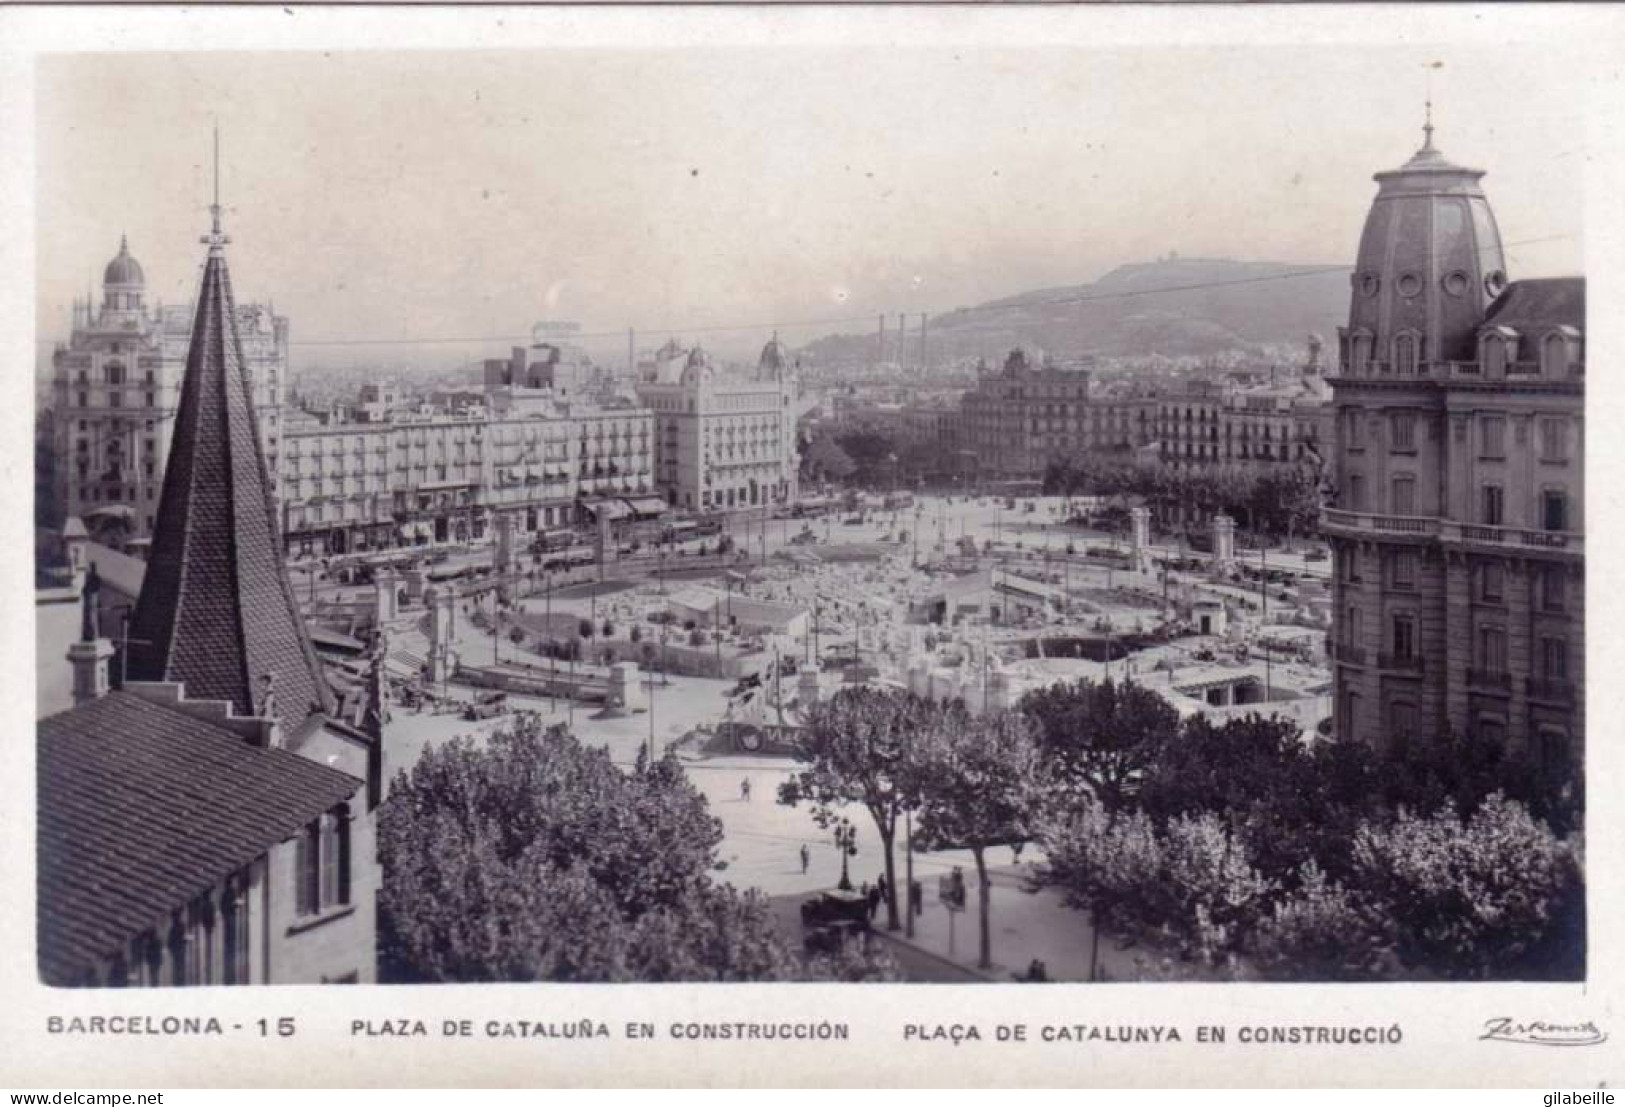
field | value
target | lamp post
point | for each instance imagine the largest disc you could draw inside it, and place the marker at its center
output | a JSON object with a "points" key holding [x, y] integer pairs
{"points": [[651, 683], [846, 841]]}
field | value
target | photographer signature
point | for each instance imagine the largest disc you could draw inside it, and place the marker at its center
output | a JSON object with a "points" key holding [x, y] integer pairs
{"points": [[1542, 1033]]}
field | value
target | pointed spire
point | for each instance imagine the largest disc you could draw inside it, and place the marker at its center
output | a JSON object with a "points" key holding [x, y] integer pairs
{"points": [[216, 240], [217, 610], [1427, 127]]}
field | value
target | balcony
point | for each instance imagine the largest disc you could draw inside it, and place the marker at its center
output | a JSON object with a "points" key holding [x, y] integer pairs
{"points": [[1416, 526], [1561, 541], [1399, 662], [1498, 679], [1551, 691], [1354, 655]]}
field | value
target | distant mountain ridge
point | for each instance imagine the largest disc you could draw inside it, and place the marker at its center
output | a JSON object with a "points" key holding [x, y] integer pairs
{"points": [[1172, 306]]}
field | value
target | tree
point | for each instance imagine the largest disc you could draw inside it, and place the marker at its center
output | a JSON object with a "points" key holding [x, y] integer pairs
{"points": [[1496, 895], [1292, 803], [1321, 932], [1192, 882], [825, 460], [1103, 862], [533, 857], [1099, 738], [979, 785], [864, 746]]}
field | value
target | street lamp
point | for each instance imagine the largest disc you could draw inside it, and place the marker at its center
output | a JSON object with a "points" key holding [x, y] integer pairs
{"points": [[846, 841]]}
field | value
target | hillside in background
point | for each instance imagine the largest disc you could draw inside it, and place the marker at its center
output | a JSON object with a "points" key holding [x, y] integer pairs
{"points": [[1173, 307]]}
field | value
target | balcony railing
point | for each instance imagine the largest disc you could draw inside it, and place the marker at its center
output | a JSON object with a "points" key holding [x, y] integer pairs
{"points": [[1354, 655], [1565, 540], [1556, 691], [1423, 525], [1403, 662], [1490, 678]]}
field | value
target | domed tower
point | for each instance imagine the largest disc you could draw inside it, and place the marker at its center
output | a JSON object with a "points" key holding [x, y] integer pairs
{"points": [[697, 373], [1430, 263], [775, 360], [124, 285]]}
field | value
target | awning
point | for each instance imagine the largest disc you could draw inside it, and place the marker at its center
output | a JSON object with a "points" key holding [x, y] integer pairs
{"points": [[609, 509], [113, 511], [647, 506]]}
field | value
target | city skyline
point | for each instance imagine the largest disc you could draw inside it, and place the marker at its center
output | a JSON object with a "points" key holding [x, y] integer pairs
{"points": [[464, 194]]}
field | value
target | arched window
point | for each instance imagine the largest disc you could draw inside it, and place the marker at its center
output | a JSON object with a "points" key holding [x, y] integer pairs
{"points": [[236, 942], [1406, 354], [1554, 356], [1360, 353], [114, 373]]}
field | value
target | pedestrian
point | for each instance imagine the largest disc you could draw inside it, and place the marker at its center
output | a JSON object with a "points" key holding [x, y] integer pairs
{"points": [[744, 790], [883, 887], [806, 858], [874, 902]]}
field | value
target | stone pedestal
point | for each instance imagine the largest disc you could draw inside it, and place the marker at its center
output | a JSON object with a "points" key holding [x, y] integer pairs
{"points": [[89, 660], [1224, 542], [442, 605], [807, 688], [1139, 530], [386, 596], [626, 693], [417, 583]]}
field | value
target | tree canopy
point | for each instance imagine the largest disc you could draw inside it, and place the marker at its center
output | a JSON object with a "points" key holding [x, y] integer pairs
{"points": [[532, 857]]}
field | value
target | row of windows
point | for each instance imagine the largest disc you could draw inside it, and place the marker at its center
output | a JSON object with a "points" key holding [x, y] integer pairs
{"points": [[1552, 505], [1552, 653], [1489, 579], [1552, 432], [1551, 742]]}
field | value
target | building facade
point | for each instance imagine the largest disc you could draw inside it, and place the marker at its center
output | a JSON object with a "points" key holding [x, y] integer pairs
{"points": [[423, 478], [213, 819], [1459, 518], [1020, 418], [116, 390], [722, 444]]}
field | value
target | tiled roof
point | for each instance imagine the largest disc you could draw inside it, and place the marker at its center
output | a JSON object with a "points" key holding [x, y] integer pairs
{"points": [[217, 610], [142, 807], [1552, 302]]}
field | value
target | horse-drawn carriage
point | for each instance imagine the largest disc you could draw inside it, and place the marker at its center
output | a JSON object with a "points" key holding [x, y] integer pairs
{"points": [[830, 918]]}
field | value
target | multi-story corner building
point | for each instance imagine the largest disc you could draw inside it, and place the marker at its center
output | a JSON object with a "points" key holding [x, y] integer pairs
{"points": [[722, 444], [1458, 530], [1023, 416], [116, 390], [418, 478]]}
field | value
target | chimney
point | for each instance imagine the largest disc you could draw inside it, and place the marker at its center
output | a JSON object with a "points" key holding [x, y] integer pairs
{"points": [[89, 655], [881, 358], [924, 363], [902, 329]]}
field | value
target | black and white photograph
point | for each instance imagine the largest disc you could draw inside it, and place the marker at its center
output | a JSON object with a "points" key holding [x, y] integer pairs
{"points": [[1027, 514]]}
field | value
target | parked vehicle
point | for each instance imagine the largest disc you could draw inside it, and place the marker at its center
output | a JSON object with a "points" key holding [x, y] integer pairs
{"points": [[487, 705]]}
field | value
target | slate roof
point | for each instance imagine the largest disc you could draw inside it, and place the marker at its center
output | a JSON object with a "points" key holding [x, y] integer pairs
{"points": [[217, 611], [142, 807], [1551, 302]]}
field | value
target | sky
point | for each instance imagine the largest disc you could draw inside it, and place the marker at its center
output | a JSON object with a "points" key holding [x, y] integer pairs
{"points": [[465, 195]]}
